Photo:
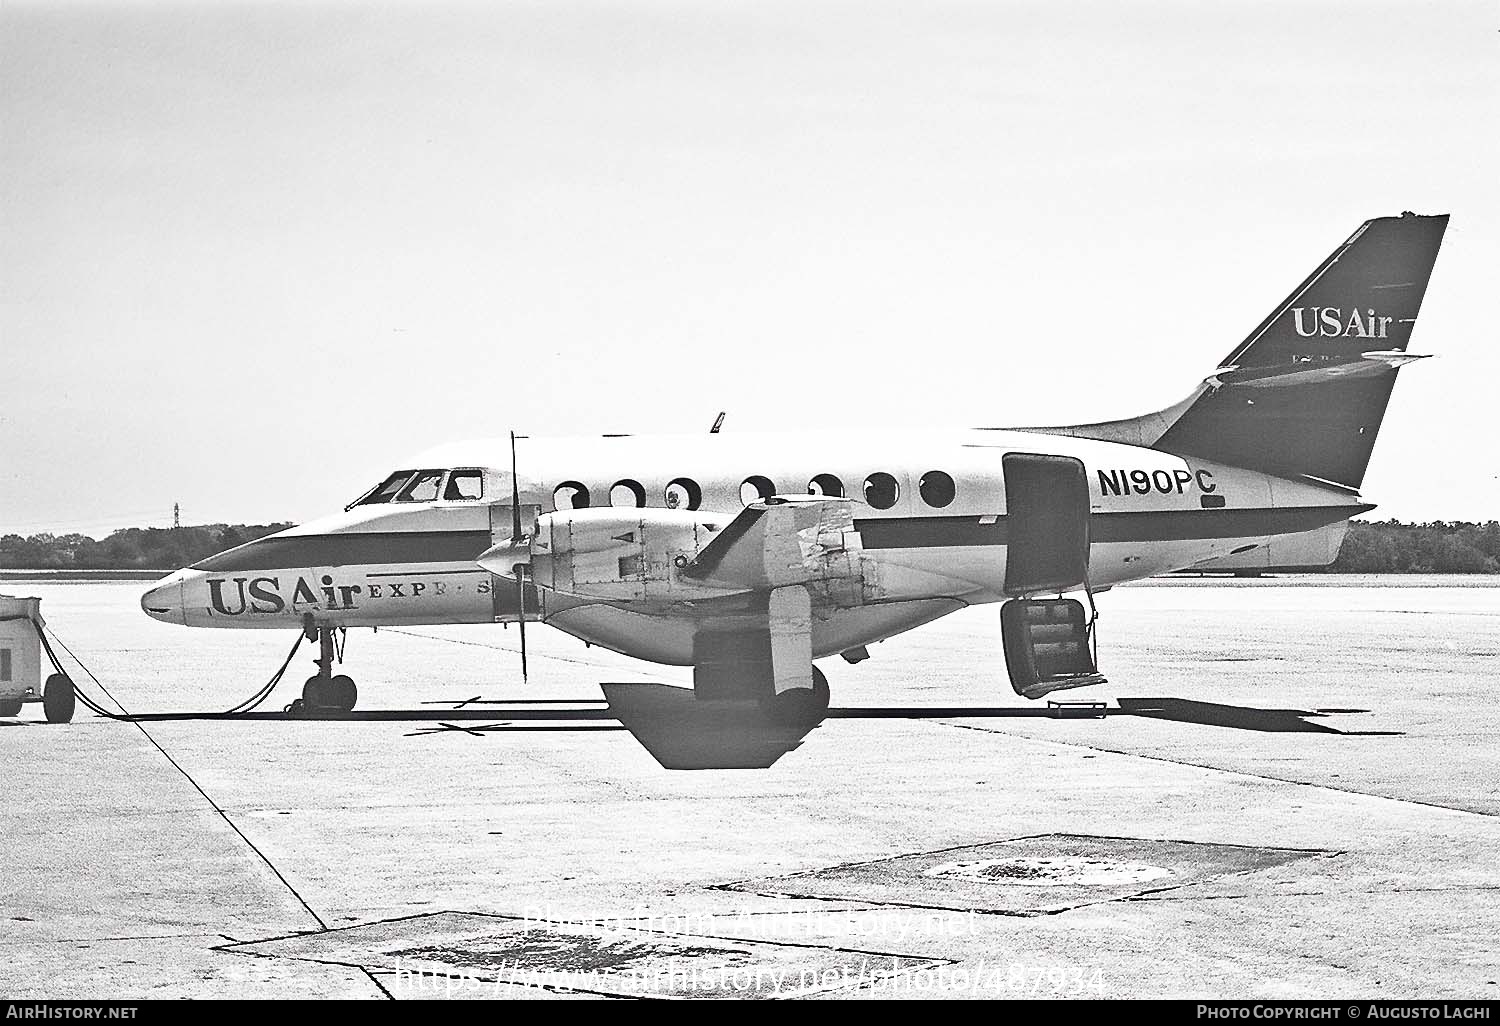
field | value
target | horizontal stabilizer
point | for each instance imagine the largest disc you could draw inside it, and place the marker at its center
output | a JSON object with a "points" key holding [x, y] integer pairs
{"points": [[1365, 365]]}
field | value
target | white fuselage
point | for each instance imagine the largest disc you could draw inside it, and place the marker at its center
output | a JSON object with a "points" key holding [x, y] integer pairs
{"points": [[414, 562]]}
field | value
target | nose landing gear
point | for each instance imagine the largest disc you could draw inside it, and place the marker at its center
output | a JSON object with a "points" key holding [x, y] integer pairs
{"points": [[329, 694], [324, 691]]}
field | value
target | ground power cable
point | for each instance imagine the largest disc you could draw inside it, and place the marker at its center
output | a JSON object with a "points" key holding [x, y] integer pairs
{"points": [[125, 716], [247, 706]]}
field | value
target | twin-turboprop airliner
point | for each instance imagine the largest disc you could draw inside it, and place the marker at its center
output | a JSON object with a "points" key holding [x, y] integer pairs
{"points": [[748, 557]]}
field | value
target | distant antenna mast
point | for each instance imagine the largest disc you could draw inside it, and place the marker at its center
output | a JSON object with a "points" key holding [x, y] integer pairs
{"points": [[176, 516]]}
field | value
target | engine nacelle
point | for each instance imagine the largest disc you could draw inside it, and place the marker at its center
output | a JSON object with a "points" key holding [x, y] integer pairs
{"points": [[655, 555], [624, 554]]}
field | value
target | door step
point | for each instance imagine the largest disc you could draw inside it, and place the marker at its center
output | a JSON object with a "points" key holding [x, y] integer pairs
{"points": [[1047, 646], [1078, 710]]}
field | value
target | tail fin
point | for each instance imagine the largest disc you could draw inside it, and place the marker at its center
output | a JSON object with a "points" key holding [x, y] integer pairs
{"points": [[1304, 394]]}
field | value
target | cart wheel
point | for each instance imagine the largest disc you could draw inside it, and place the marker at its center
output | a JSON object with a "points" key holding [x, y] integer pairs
{"points": [[58, 700], [10, 708]]}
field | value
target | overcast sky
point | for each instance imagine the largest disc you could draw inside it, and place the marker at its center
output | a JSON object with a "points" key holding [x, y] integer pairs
{"points": [[252, 255]]}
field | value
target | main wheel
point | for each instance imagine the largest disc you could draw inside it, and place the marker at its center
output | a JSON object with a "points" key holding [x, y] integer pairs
{"points": [[314, 693], [800, 707], [10, 708], [341, 693], [58, 700]]}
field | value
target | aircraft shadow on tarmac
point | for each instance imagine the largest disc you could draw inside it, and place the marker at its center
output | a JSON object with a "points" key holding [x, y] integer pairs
{"points": [[1180, 710], [1242, 717], [681, 732]]}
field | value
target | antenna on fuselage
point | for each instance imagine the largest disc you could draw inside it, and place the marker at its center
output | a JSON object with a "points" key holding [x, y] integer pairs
{"points": [[718, 423], [519, 569]]}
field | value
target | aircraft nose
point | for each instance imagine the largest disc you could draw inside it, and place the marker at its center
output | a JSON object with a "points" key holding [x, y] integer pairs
{"points": [[164, 600]]}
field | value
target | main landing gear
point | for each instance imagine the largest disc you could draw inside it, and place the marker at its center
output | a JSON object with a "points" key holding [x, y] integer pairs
{"points": [[799, 707], [324, 690]]}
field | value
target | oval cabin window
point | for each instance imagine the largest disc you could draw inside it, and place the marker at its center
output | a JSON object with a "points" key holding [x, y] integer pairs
{"points": [[756, 488], [937, 489], [570, 495], [826, 484], [627, 493], [683, 493], [881, 490]]}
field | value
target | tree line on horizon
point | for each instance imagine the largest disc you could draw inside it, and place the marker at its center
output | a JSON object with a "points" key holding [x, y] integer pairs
{"points": [[1383, 547], [131, 548], [1439, 547]]}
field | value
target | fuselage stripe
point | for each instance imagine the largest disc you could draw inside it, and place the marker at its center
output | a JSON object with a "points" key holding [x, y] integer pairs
{"points": [[1104, 528], [427, 547], [353, 548]]}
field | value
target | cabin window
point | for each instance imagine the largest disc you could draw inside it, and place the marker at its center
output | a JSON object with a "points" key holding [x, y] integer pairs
{"points": [[387, 489], [937, 489], [881, 490], [756, 488], [464, 485], [570, 495], [683, 493], [826, 484], [627, 493], [423, 487]]}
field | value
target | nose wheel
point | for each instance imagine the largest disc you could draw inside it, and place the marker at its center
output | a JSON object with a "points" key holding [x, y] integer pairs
{"points": [[329, 694], [325, 691]]}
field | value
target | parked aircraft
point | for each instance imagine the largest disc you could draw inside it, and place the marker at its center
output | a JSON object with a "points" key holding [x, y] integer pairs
{"points": [[750, 556]]}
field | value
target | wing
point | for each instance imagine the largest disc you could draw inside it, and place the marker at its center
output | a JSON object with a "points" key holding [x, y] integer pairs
{"points": [[786, 539]]}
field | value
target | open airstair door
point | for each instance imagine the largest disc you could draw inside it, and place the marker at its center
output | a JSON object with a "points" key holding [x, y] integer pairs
{"points": [[1048, 642], [1047, 523]]}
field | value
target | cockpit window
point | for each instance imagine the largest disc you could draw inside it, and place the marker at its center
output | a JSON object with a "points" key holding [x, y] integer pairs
{"points": [[423, 487], [464, 484], [387, 489]]}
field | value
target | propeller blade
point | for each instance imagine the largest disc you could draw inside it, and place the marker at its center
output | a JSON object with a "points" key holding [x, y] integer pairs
{"points": [[520, 572], [518, 543], [515, 494], [516, 538]]}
